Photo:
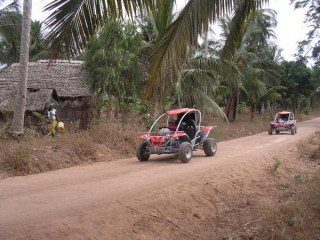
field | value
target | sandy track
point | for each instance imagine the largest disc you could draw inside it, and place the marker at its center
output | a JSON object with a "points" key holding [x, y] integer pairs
{"points": [[101, 201]]}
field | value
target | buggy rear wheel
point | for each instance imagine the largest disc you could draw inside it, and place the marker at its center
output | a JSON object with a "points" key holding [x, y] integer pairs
{"points": [[141, 152], [185, 152], [293, 131], [210, 147], [270, 131]]}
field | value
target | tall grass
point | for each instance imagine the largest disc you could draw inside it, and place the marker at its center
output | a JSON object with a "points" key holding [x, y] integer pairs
{"points": [[16, 160]]}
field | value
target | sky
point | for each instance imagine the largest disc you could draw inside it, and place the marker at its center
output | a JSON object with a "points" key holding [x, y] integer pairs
{"points": [[291, 27], [290, 30]]}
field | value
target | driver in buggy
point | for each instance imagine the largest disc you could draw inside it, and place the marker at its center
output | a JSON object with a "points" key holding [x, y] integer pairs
{"points": [[282, 118], [188, 125]]}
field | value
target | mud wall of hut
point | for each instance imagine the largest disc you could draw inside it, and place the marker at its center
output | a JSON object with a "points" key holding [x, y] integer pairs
{"points": [[76, 112]]}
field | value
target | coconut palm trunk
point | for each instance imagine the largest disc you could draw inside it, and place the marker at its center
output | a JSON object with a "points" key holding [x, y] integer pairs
{"points": [[233, 42], [21, 97], [231, 105]]}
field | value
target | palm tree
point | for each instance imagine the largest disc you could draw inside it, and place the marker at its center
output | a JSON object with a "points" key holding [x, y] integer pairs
{"points": [[199, 85], [153, 25], [310, 47], [20, 104], [10, 28], [245, 47], [73, 22], [38, 44], [172, 49]]}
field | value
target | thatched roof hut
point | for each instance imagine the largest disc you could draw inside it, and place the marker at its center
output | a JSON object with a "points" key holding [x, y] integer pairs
{"points": [[59, 81]]}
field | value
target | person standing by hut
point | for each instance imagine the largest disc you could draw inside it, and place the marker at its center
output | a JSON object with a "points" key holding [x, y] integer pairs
{"points": [[52, 117]]}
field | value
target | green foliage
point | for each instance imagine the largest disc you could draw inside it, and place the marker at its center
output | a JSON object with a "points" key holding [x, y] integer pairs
{"points": [[153, 25], [297, 79], [312, 41], [142, 107], [38, 43], [242, 107], [199, 85], [284, 186], [276, 166], [10, 41], [113, 62], [252, 65], [301, 178], [38, 115], [10, 29]]}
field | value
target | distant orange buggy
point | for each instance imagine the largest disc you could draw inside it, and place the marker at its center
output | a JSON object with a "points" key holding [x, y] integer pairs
{"points": [[283, 121], [177, 131]]}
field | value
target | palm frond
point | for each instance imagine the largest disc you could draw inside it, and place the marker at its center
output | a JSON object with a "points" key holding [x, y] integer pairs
{"points": [[9, 7], [73, 22], [214, 106], [171, 49], [272, 94]]}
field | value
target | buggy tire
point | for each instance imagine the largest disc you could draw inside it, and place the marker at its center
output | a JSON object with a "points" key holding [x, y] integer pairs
{"points": [[277, 132], [270, 131], [185, 152], [210, 147], [293, 131], [141, 153]]}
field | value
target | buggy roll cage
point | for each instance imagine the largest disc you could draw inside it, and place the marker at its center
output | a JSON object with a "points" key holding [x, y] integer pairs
{"points": [[181, 113]]}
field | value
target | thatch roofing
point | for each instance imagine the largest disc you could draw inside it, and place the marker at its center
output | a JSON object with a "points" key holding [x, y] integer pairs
{"points": [[64, 77]]}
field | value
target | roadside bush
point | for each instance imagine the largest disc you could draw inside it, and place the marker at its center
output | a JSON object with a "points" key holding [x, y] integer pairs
{"points": [[83, 147], [17, 160], [118, 136], [242, 107]]}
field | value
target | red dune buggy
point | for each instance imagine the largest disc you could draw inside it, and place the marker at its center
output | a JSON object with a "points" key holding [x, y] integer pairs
{"points": [[283, 121], [177, 131]]}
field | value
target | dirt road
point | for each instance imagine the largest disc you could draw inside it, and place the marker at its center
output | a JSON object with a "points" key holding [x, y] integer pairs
{"points": [[117, 199]]}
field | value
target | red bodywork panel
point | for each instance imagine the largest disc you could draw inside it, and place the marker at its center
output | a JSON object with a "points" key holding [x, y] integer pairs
{"points": [[283, 112], [156, 140], [207, 128], [179, 111], [283, 124]]}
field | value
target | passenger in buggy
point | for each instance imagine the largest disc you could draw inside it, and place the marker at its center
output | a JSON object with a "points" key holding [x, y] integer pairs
{"points": [[282, 118]]}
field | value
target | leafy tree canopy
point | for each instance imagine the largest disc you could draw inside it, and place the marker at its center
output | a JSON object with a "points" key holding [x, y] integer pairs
{"points": [[297, 78], [112, 61], [312, 18]]}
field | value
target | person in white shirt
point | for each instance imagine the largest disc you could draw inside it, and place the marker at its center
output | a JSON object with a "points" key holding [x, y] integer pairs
{"points": [[52, 117]]}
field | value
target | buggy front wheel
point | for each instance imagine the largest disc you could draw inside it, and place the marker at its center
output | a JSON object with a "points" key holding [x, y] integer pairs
{"points": [[185, 152], [210, 147], [141, 152]]}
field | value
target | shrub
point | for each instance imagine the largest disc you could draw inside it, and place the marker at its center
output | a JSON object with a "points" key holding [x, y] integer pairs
{"points": [[276, 166], [17, 161]]}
